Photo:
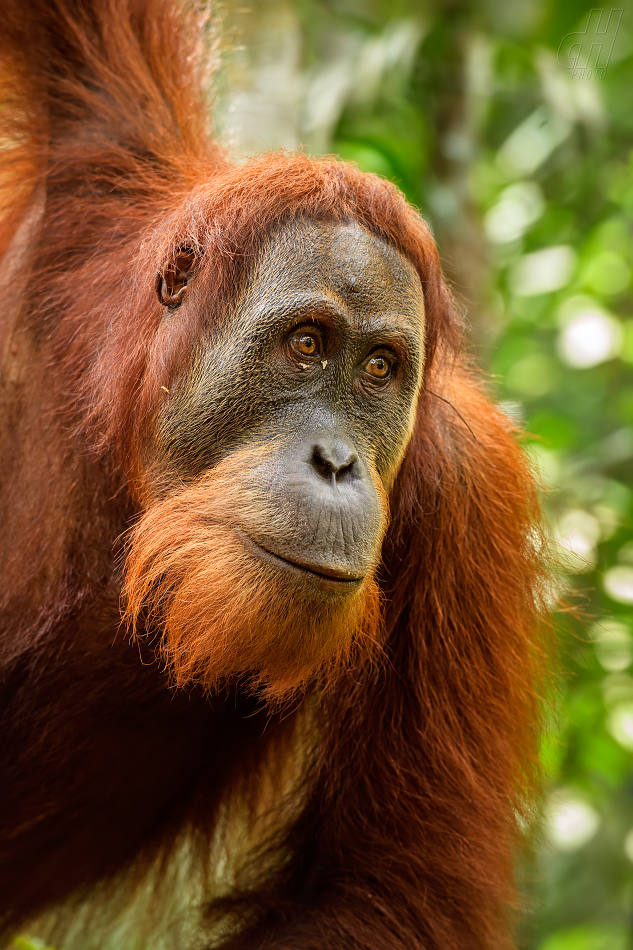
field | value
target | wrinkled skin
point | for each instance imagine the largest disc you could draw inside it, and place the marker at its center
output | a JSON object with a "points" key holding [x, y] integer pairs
{"points": [[323, 354]]}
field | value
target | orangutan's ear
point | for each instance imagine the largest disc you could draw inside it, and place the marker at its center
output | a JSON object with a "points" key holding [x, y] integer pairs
{"points": [[173, 278]]}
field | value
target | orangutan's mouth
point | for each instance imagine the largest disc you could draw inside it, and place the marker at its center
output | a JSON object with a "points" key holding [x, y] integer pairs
{"points": [[334, 578]]}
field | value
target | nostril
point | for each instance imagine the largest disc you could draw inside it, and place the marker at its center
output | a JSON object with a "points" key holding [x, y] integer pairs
{"points": [[346, 470], [320, 464], [333, 463]]}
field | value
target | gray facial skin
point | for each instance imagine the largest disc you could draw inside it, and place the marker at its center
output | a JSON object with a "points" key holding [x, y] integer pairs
{"points": [[323, 357]]}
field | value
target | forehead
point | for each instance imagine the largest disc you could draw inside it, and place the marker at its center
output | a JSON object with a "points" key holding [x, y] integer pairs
{"points": [[342, 263]]}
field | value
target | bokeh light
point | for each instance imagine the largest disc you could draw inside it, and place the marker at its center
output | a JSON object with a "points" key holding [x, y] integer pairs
{"points": [[570, 821]]}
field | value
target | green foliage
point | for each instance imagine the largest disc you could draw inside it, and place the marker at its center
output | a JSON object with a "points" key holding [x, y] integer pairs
{"points": [[28, 943]]}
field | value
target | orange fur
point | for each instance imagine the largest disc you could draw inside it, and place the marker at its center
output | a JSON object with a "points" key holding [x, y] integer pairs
{"points": [[421, 754], [225, 613]]}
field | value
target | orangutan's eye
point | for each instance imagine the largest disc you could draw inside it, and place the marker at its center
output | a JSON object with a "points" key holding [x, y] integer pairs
{"points": [[378, 368], [306, 344]]}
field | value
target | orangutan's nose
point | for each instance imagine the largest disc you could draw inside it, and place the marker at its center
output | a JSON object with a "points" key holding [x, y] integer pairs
{"points": [[334, 460]]}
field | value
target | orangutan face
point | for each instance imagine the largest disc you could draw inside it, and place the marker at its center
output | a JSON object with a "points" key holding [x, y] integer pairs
{"points": [[272, 460]]}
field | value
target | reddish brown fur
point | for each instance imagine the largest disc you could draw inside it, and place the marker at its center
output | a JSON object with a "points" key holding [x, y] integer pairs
{"points": [[424, 760], [223, 613]]}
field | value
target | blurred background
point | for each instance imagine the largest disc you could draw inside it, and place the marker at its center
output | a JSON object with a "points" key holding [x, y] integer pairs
{"points": [[509, 123]]}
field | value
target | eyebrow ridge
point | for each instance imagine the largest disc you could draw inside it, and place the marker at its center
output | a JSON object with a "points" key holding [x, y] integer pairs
{"points": [[295, 305]]}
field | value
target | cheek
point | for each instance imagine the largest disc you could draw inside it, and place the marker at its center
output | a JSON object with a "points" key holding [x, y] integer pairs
{"points": [[393, 434], [208, 414]]}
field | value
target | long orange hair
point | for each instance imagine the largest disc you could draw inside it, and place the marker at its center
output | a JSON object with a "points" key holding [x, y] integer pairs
{"points": [[422, 757]]}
